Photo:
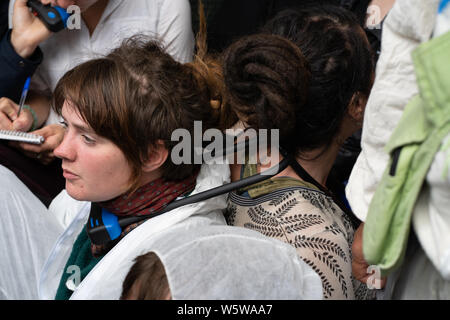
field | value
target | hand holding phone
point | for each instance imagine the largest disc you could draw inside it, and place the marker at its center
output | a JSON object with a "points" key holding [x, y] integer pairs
{"points": [[27, 30], [54, 18]]}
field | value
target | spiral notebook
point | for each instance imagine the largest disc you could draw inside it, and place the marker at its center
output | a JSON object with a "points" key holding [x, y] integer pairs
{"points": [[21, 137]]}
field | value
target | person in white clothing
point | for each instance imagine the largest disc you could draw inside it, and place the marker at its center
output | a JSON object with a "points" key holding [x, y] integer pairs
{"points": [[394, 86], [270, 269], [425, 270], [120, 112], [103, 25]]}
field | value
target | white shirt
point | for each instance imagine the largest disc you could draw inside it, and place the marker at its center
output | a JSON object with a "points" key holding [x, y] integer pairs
{"points": [[166, 20]]}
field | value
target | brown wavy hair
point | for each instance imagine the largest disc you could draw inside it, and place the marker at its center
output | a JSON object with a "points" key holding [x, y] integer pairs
{"points": [[138, 94]]}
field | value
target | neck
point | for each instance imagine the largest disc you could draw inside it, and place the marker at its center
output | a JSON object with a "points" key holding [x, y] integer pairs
{"points": [[91, 16], [317, 163]]}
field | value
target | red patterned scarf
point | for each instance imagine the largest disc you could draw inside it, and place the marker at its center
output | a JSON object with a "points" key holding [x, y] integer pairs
{"points": [[145, 201]]}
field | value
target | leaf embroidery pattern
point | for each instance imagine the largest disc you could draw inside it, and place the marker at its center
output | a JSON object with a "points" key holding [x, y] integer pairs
{"points": [[286, 207], [230, 214], [348, 227], [263, 212], [362, 292], [255, 216], [333, 265], [300, 222], [281, 199], [314, 198], [330, 205], [316, 243], [268, 231], [326, 285], [335, 229]]}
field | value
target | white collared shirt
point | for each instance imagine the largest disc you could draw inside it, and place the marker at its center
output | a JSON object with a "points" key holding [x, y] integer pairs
{"points": [[166, 20]]}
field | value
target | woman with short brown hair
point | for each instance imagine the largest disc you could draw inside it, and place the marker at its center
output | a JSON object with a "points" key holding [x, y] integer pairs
{"points": [[119, 112]]}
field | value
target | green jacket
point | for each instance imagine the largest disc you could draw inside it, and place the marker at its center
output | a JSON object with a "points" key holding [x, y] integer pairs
{"points": [[412, 146]]}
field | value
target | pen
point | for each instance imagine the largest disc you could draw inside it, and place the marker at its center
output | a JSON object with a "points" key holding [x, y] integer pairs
{"points": [[24, 95]]}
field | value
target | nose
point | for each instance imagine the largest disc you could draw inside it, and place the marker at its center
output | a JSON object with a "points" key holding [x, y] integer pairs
{"points": [[66, 149]]}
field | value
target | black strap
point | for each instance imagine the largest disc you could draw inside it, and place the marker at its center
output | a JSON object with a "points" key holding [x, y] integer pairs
{"points": [[302, 173]]}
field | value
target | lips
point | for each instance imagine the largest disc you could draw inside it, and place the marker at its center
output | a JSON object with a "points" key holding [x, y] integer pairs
{"points": [[69, 174]]}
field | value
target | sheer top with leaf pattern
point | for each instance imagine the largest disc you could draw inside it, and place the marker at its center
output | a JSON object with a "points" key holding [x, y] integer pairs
{"points": [[297, 213]]}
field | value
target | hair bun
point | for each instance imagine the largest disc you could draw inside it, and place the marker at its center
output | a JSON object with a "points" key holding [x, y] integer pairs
{"points": [[266, 79]]}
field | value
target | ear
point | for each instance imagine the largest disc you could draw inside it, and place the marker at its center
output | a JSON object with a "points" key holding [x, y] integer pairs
{"points": [[157, 155], [357, 107]]}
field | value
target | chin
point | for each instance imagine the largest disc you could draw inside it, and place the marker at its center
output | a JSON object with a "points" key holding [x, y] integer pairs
{"points": [[77, 195], [83, 195]]}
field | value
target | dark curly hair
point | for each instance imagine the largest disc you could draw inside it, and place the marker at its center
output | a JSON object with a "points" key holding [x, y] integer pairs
{"points": [[341, 64], [266, 80], [305, 93]]}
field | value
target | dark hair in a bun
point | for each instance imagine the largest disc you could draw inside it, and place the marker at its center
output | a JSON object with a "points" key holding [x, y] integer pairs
{"points": [[341, 63], [266, 80]]}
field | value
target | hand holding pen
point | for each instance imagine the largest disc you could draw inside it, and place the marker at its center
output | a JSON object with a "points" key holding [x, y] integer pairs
{"points": [[12, 115], [23, 97]]}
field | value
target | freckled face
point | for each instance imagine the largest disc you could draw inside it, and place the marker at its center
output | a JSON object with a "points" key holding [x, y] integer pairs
{"points": [[95, 168]]}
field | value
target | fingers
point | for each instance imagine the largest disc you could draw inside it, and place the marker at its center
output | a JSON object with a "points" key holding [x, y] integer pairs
{"points": [[24, 121], [8, 113], [5, 122], [29, 148], [53, 135], [359, 271], [34, 152], [9, 108], [20, 4], [28, 31]]}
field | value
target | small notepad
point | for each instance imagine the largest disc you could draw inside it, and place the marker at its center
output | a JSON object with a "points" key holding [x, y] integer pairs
{"points": [[21, 137]]}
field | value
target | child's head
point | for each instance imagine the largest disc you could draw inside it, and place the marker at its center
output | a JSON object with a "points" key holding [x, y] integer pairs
{"points": [[146, 280], [211, 262]]}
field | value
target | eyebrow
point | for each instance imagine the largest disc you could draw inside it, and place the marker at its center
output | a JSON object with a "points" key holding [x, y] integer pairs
{"points": [[80, 128], [83, 129]]}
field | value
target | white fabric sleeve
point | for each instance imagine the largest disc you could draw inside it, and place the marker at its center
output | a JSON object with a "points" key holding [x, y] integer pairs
{"points": [[175, 28], [27, 236], [408, 24]]}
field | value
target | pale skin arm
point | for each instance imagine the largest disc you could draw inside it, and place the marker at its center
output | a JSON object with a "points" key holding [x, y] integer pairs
{"points": [[28, 31], [359, 264]]}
